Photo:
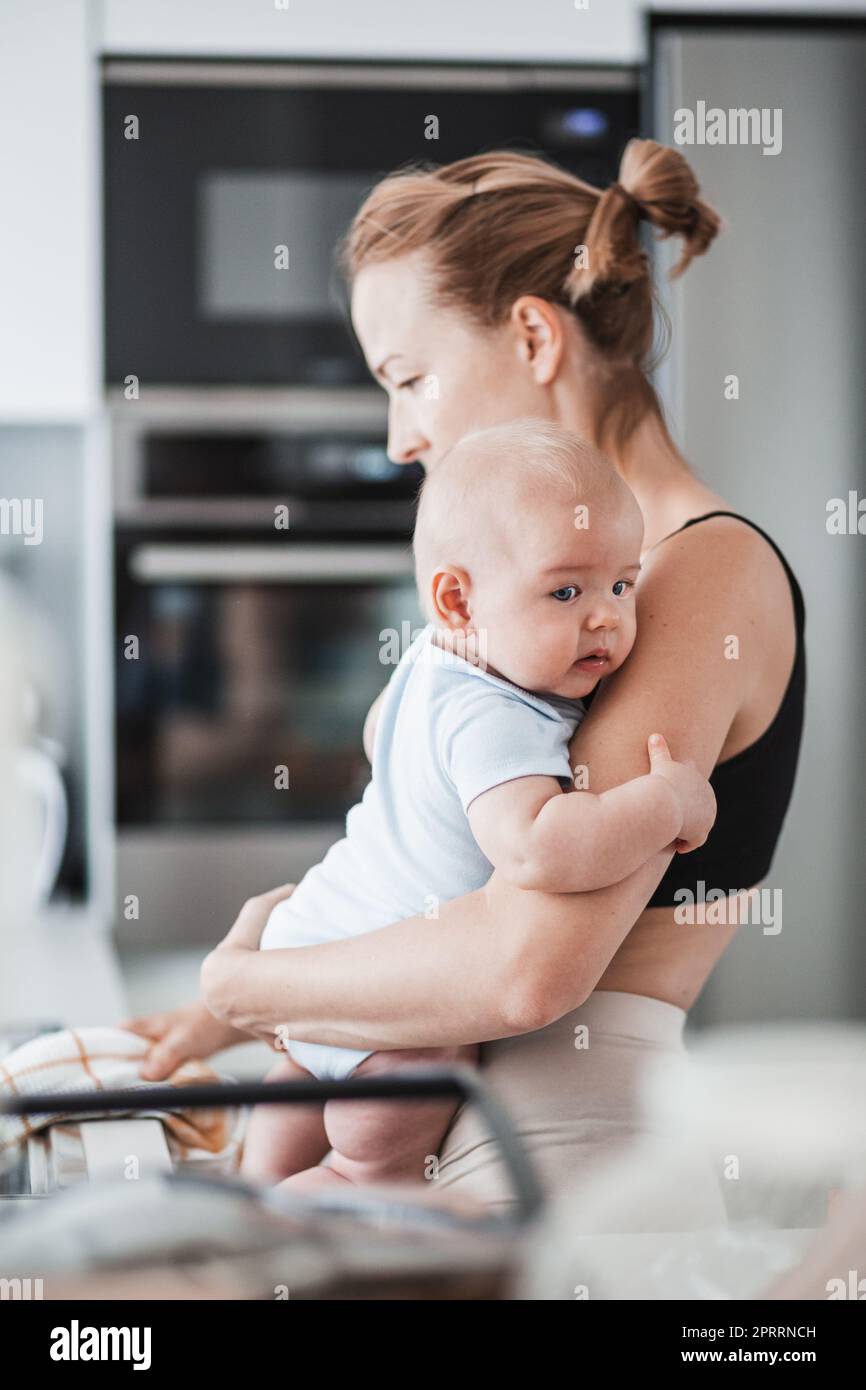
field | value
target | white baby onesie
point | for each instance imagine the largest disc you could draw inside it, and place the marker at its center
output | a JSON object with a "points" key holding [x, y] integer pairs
{"points": [[447, 731]]}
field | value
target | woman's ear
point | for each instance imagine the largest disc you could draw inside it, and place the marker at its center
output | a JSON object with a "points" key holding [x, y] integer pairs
{"points": [[450, 595], [540, 337]]}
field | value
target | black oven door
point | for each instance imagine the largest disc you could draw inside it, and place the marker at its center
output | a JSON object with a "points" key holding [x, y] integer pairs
{"points": [[244, 673], [227, 186]]}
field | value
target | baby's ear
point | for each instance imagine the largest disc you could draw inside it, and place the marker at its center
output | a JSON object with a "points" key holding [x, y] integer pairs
{"points": [[450, 596]]}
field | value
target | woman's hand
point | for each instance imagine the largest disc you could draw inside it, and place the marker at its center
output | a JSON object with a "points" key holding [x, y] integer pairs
{"points": [[246, 931], [194, 1031], [220, 970], [179, 1035]]}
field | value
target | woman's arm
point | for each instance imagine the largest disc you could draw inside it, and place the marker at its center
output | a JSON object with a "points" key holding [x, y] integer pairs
{"points": [[495, 963], [503, 961]]}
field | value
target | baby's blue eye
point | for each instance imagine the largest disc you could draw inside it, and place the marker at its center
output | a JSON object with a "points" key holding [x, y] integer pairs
{"points": [[626, 582], [563, 595]]}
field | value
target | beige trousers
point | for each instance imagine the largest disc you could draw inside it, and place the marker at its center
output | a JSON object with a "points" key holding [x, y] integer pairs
{"points": [[575, 1093]]}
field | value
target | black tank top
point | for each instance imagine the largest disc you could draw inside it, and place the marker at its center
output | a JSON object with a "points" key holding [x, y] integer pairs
{"points": [[752, 788]]}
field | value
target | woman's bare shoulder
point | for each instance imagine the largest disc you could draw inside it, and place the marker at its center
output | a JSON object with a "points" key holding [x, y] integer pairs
{"points": [[727, 575], [702, 623], [723, 551]]}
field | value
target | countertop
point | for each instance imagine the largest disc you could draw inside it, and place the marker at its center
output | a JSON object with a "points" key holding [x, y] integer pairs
{"points": [[63, 969], [60, 968]]}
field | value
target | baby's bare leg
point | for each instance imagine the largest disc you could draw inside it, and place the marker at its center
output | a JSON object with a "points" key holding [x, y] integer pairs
{"points": [[283, 1139], [391, 1141]]}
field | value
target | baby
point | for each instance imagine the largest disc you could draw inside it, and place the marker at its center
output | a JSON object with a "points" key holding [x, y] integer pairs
{"points": [[527, 549]]}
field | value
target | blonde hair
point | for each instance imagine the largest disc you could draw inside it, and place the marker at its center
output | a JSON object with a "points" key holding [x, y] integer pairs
{"points": [[504, 224], [471, 504]]}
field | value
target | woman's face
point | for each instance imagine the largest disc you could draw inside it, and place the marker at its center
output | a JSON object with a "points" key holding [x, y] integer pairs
{"points": [[444, 375]]}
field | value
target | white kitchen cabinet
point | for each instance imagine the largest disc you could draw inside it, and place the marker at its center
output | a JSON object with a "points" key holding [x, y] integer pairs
{"points": [[49, 213], [494, 30], [567, 31]]}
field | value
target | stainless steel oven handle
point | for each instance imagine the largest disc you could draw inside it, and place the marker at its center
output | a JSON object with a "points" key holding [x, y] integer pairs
{"points": [[197, 72], [268, 564]]}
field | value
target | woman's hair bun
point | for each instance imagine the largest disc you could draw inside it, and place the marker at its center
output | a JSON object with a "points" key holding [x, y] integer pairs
{"points": [[657, 184]]}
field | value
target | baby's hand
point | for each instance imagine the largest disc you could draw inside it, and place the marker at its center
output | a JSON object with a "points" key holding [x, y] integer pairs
{"points": [[696, 797]]}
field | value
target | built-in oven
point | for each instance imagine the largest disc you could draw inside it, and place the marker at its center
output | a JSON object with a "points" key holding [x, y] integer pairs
{"points": [[263, 590], [227, 185]]}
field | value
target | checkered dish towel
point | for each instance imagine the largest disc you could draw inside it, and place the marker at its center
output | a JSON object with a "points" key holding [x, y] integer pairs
{"points": [[105, 1059]]}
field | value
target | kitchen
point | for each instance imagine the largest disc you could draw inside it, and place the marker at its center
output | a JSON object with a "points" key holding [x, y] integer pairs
{"points": [[205, 545]]}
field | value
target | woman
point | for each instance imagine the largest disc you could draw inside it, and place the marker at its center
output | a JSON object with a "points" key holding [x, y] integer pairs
{"points": [[496, 287]]}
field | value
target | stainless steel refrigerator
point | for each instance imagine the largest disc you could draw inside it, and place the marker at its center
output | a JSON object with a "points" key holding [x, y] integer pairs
{"points": [[779, 302]]}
